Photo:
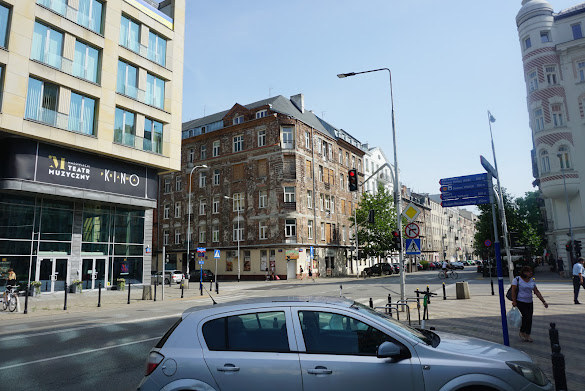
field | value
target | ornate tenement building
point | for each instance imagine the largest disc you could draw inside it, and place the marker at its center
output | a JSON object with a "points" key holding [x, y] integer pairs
{"points": [[285, 173]]}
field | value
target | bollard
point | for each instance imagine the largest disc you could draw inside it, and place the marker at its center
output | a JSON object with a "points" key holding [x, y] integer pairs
{"points": [[558, 364], [340, 289], [389, 310], [444, 292], [100, 294], [155, 284], [200, 289], [216, 288], [371, 303], [65, 304], [553, 335], [129, 286], [418, 303], [428, 296], [210, 285], [47, 286], [492, 282], [182, 286], [26, 299]]}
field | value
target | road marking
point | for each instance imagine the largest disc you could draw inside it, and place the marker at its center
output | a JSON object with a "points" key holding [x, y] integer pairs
{"points": [[77, 354]]}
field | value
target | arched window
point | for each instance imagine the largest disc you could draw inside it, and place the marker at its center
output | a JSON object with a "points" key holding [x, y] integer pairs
{"points": [[544, 161], [564, 157]]}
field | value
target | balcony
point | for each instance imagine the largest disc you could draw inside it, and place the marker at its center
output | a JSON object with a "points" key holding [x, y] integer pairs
{"points": [[552, 185]]}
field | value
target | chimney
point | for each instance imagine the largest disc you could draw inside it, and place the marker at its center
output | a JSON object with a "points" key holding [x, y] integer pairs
{"points": [[299, 101]]}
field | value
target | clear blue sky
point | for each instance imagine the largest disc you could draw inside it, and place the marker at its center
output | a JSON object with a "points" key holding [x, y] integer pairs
{"points": [[451, 61]]}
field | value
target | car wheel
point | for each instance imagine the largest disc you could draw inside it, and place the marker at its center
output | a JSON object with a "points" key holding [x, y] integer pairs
{"points": [[167, 281]]}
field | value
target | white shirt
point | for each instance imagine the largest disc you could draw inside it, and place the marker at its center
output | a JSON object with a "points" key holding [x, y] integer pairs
{"points": [[444, 265], [578, 269], [524, 289]]}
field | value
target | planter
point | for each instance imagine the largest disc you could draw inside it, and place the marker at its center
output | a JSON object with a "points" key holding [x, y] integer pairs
{"points": [[121, 286], [75, 288]]}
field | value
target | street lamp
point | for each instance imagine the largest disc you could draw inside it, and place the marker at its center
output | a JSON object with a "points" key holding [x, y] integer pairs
{"points": [[560, 156], [189, 214], [397, 183], [239, 233]]}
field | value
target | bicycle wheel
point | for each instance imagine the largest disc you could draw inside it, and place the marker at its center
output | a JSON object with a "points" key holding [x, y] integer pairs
{"points": [[441, 274], [12, 303], [4, 303], [454, 275]]}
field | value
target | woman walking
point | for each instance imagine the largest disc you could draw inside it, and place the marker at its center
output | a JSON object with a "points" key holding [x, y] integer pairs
{"points": [[522, 288]]}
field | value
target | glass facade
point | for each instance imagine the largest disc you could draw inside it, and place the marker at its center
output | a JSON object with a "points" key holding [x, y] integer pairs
{"points": [[130, 34], [47, 45], [85, 62], [124, 129], [82, 114], [4, 14], [42, 101], [157, 48]]}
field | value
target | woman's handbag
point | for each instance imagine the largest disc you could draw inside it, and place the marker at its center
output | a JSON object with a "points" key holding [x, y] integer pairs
{"points": [[509, 293]]}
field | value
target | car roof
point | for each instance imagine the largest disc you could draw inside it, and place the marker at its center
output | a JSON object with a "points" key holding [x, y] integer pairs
{"points": [[267, 302]]}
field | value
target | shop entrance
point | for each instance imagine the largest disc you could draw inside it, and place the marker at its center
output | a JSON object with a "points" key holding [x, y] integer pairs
{"points": [[53, 273], [93, 272]]}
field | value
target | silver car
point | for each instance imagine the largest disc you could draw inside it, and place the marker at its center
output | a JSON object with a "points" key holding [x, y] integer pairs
{"points": [[326, 343]]}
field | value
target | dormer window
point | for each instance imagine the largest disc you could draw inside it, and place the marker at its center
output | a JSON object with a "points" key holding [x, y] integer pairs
{"points": [[203, 129], [261, 114], [238, 119]]}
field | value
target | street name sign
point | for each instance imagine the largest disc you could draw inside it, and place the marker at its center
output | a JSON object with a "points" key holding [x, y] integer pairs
{"points": [[466, 201], [413, 246], [466, 190], [464, 186], [202, 262], [464, 179], [455, 195], [488, 167]]}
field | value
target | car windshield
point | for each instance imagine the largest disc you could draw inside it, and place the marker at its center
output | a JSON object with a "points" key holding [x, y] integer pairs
{"points": [[395, 325]]}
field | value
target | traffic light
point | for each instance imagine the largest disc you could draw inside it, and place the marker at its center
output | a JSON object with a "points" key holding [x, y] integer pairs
{"points": [[192, 255], [396, 240], [371, 216], [352, 180], [569, 246], [577, 244]]}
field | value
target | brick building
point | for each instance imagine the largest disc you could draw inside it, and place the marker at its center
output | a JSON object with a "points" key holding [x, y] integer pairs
{"points": [[275, 177]]}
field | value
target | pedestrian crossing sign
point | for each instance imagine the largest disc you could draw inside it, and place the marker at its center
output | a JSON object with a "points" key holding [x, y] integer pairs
{"points": [[413, 246]]}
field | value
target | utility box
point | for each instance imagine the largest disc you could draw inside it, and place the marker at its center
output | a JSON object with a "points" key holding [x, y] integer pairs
{"points": [[462, 290], [184, 283], [147, 292]]}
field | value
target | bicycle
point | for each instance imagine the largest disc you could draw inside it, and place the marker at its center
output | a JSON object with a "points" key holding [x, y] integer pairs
{"points": [[446, 274], [10, 298]]}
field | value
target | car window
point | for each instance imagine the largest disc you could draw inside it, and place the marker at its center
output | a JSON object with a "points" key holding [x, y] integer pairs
{"points": [[255, 332], [329, 333]]}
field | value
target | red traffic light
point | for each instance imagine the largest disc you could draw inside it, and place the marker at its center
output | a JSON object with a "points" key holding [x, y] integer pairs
{"points": [[395, 234], [351, 172]]}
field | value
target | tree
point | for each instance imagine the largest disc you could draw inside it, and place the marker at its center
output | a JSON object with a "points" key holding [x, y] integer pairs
{"points": [[375, 239]]}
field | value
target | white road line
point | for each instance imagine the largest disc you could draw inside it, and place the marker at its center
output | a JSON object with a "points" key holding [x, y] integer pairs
{"points": [[76, 354]]}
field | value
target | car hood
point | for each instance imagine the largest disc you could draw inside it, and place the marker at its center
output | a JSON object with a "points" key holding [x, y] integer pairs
{"points": [[478, 349]]}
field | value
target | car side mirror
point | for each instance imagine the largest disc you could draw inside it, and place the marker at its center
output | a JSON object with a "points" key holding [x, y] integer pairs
{"points": [[388, 350]]}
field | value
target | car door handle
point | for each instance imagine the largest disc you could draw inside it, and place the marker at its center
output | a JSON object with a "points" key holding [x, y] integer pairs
{"points": [[228, 368], [320, 371]]}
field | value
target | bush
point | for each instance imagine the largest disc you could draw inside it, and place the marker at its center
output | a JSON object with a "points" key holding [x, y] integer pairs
{"points": [[424, 264]]}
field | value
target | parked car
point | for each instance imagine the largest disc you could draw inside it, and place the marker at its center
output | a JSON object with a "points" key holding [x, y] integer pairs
{"points": [[170, 276], [379, 269], [396, 268], [457, 265], [325, 343], [207, 275]]}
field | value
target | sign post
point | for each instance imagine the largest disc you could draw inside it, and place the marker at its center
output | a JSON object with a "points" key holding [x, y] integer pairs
{"points": [[201, 252]]}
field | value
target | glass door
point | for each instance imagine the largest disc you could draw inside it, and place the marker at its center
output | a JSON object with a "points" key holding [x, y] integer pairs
{"points": [[93, 272], [53, 273]]}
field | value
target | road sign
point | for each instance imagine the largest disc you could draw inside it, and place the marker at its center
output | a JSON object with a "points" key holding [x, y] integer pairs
{"points": [[456, 195], [488, 167], [466, 201], [411, 212], [216, 254], [201, 262], [413, 246], [312, 251], [487, 242], [464, 179], [465, 186], [201, 249], [412, 230]]}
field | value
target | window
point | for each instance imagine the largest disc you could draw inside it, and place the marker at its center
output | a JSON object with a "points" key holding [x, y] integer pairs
{"points": [[290, 228], [527, 43], [263, 230], [341, 181], [577, 33], [127, 82], [320, 173], [327, 199], [261, 114], [238, 143], [215, 233], [191, 155], [4, 15], [155, 91], [557, 113], [167, 185], [321, 200], [544, 161], [157, 48], [89, 14], [202, 235], [177, 236], [340, 156], [166, 237], [310, 199], [545, 36], [41, 101], [238, 171], [551, 74], [287, 138], [343, 233], [202, 179], [256, 332], [47, 45], [289, 194], [581, 67], [332, 204], [85, 62], [262, 199], [533, 81], [1, 85], [564, 157], [261, 138], [238, 202], [238, 231], [203, 152], [202, 207], [215, 151], [124, 129], [178, 183], [322, 231], [308, 169], [238, 119], [153, 136], [166, 211], [130, 34], [538, 120], [215, 205], [81, 114], [307, 139], [310, 229], [216, 177], [177, 209]]}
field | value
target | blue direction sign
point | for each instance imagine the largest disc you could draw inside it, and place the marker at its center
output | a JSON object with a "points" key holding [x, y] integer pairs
{"points": [[464, 179], [413, 246], [202, 262], [466, 201], [465, 186], [455, 195]]}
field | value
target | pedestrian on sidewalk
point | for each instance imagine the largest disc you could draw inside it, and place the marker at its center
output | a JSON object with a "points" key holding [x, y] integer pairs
{"points": [[561, 267], [301, 272], [522, 289], [578, 272], [311, 273]]}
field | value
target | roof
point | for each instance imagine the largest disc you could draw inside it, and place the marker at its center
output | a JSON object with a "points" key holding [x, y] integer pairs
{"points": [[578, 9]]}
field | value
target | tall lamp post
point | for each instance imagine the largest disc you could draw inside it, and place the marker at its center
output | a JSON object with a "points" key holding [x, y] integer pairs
{"points": [[239, 233], [189, 214], [560, 156], [397, 182]]}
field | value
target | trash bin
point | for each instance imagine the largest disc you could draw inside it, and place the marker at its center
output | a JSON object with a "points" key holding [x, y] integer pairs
{"points": [[462, 290], [184, 283], [147, 292]]}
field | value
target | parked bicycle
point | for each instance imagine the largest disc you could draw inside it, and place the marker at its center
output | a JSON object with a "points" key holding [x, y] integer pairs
{"points": [[10, 298], [448, 273]]}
